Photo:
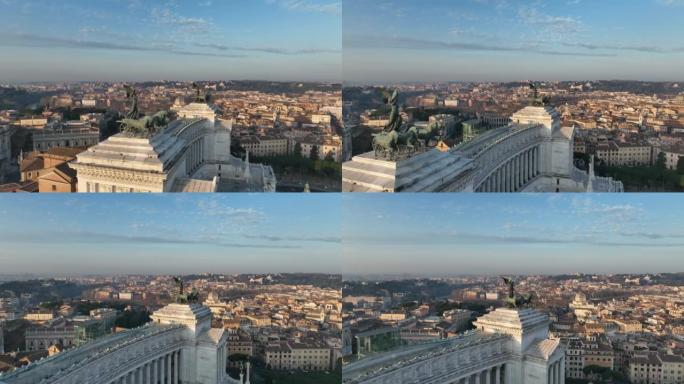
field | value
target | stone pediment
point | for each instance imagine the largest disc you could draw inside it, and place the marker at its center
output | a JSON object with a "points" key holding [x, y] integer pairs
{"points": [[198, 110], [513, 319], [184, 312], [424, 172], [542, 349], [547, 116], [155, 154], [213, 336]]}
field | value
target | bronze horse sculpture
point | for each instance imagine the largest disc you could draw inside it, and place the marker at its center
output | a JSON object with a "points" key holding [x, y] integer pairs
{"points": [[513, 300], [145, 126], [182, 297]]}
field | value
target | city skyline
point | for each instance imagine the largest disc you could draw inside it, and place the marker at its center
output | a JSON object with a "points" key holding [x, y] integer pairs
{"points": [[169, 234], [510, 40], [133, 40], [481, 234]]}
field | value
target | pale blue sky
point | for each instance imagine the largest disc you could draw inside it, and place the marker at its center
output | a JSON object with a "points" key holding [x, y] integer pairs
{"points": [[44, 40], [449, 234], [508, 40], [231, 233]]}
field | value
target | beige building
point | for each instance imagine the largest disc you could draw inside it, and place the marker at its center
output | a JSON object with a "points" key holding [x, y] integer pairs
{"points": [[66, 135], [305, 356], [331, 146], [39, 122], [460, 318], [39, 316], [628, 326], [584, 353], [656, 369], [60, 179], [672, 155], [258, 321], [265, 146], [321, 119], [37, 164], [392, 316], [38, 339], [624, 154]]}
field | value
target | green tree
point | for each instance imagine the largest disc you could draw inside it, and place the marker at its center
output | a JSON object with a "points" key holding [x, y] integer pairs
{"points": [[133, 318], [238, 357], [298, 149], [680, 165], [313, 155], [660, 161]]}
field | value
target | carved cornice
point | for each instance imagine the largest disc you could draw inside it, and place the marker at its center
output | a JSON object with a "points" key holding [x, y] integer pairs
{"points": [[108, 174]]}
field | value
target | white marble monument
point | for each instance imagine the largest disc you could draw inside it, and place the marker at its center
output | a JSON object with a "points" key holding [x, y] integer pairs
{"points": [[191, 154], [178, 346], [509, 346], [531, 154]]}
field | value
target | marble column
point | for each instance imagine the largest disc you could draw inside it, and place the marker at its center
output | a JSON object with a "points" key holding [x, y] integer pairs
{"points": [[497, 375], [524, 168], [512, 181], [532, 163], [487, 373], [499, 180], [496, 181], [477, 377], [518, 172], [167, 359], [507, 175], [155, 371], [562, 365], [176, 368], [527, 166]]}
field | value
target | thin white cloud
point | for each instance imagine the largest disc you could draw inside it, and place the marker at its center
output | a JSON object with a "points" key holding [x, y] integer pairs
{"points": [[333, 8], [549, 23]]}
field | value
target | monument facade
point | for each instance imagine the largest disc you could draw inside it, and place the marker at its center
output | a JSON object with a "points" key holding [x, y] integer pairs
{"points": [[509, 346], [178, 346], [190, 154], [531, 154], [5, 151]]}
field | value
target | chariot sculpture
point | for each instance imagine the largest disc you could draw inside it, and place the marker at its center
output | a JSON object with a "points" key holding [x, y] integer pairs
{"points": [[132, 97], [135, 125], [538, 101], [182, 297], [513, 300], [388, 143], [200, 95]]}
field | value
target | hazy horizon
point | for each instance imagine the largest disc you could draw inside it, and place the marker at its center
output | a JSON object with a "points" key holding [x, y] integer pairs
{"points": [[169, 234], [490, 234], [508, 40], [132, 40]]}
